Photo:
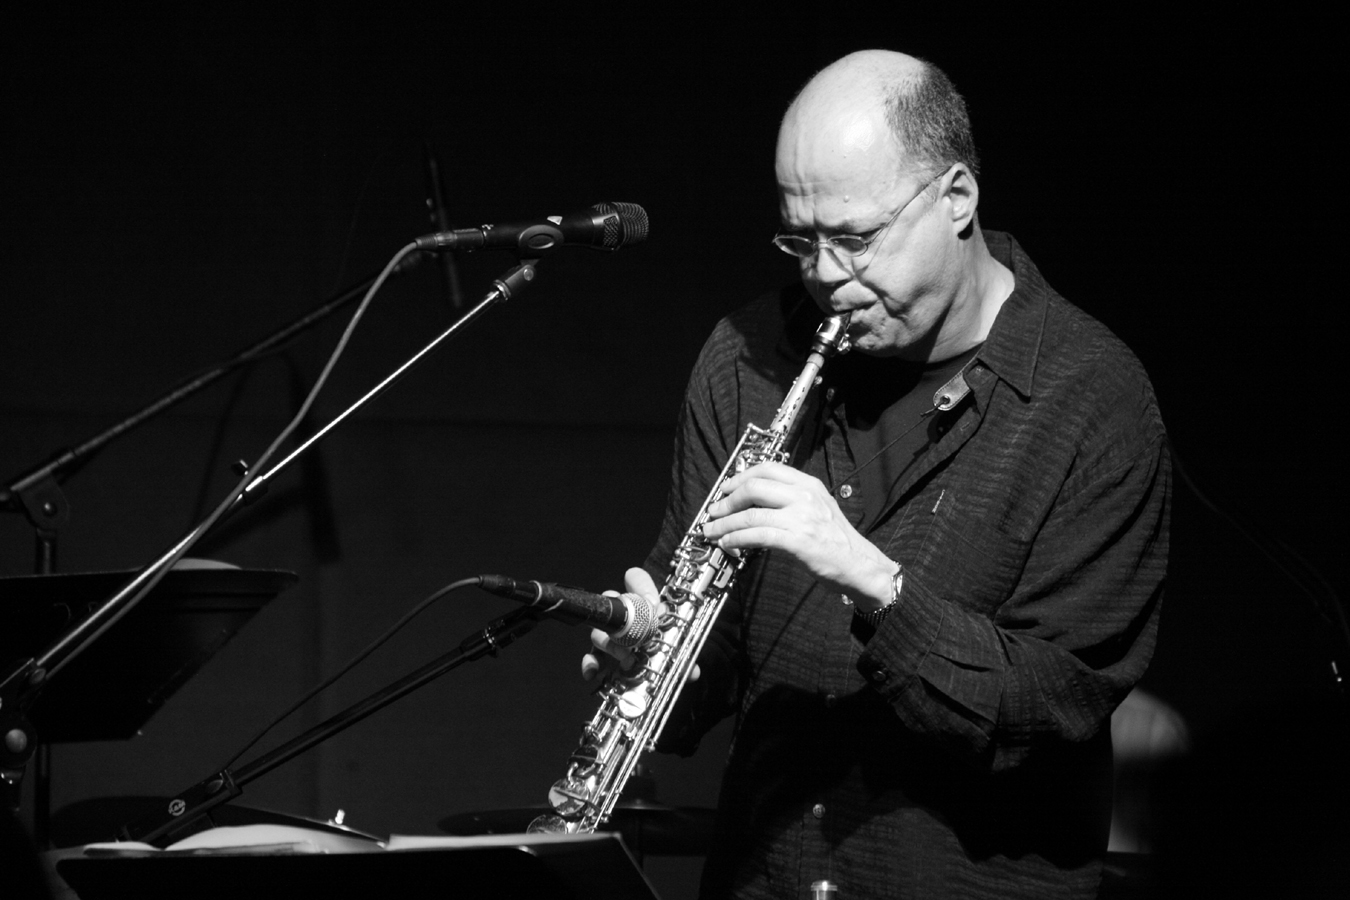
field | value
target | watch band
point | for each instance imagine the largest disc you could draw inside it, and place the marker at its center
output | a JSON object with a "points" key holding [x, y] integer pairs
{"points": [[875, 616]]}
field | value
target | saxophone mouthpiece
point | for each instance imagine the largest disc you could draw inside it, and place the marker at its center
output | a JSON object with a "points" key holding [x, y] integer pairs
{"points": [[832, 335]]}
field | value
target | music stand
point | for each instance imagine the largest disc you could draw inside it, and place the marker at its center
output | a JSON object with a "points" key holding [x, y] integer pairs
{"points": [[578, 867], [112, 690]]}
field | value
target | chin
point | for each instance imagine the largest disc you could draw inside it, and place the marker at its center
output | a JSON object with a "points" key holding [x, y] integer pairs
{"points": [[871, 344]]}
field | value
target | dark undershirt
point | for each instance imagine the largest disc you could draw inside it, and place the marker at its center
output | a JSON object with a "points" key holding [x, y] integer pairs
{"points": [[888, 405]]}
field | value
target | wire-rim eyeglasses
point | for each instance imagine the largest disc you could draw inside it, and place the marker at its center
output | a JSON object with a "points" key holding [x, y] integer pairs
{"points": [[844, 245]]}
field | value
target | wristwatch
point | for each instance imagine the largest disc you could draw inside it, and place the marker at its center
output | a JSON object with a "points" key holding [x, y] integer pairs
{"points": [[875, 616]]}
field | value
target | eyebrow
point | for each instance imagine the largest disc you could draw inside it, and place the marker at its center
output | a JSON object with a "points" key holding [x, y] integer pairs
{"points": [[833, 232]]}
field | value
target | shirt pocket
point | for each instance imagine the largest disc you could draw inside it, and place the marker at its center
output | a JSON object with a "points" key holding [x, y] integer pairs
{"points": [[970, 555]]}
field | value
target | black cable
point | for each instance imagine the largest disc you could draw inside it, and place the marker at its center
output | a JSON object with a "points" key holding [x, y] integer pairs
{"points": [[356, 212], [145, 581], [375, 645], [1289, 562], [223, 419], [247, 360]]}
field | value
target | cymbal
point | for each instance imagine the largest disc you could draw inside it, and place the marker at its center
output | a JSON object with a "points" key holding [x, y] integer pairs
{"points": [[646, 827]]}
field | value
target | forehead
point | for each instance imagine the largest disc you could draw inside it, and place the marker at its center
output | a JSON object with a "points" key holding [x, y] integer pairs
{"points": [[839, 171], [843, 205]]}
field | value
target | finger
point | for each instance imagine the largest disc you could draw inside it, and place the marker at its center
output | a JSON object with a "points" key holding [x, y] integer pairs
{"points": [[754, 517], [758, 492], [770, 471], [599, 669], [637, 581], [759, 537], [607, 644], [642, 587]]}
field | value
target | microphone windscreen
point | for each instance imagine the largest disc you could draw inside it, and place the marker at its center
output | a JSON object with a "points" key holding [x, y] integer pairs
{"points": [[630, 227]]}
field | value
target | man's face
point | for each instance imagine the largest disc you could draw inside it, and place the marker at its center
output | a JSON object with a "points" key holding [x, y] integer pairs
{"points": [[853, 182]]}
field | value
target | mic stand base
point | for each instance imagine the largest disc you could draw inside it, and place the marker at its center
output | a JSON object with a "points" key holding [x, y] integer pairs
{"points": [[185, 808]]}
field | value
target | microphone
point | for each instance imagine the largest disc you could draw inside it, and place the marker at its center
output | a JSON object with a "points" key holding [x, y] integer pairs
{"points": [[629, 612], [605, 226]]}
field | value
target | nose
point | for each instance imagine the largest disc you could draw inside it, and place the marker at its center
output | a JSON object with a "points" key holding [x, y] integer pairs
{"points": [[826, 269]]}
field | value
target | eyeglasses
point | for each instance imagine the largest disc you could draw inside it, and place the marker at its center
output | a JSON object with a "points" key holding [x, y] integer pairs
{"points": [[843, 245]]}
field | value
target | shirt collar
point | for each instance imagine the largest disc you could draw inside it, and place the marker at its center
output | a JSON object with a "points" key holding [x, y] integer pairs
{"points": [[1013, 345]]}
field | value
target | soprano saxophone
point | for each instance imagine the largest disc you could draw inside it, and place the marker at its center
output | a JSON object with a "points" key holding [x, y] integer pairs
{"points": [[636, 704]]}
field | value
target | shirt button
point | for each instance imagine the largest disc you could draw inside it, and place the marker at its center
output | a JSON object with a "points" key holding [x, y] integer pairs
{"points": [[880, 675], [818, 810], [829, 393], [846, 491]]}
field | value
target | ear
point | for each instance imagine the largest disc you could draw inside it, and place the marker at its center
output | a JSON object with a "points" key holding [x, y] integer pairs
{"points": [[962, 193]]}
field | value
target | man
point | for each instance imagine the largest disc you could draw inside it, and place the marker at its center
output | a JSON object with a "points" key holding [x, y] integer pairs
{"points": [[958, 578]]}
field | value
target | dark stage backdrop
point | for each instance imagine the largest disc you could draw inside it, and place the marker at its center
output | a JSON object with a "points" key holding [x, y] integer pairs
{"points": [[176, 186]]}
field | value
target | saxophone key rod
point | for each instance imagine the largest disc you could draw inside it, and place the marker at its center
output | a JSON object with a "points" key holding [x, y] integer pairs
{"points": [[701, 578]]}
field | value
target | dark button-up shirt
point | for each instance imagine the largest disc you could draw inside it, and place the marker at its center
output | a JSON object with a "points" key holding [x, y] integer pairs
{"points": [[962, 749]]}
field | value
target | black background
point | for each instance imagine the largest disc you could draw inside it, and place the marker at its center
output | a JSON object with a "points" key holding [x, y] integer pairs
{"points": [[177, 184]]}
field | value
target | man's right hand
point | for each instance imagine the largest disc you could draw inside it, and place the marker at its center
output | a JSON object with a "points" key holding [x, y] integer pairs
{"points": [[608, 652]]}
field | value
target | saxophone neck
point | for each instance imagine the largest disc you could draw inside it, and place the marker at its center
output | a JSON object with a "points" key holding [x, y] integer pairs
{"points": [[831, 338]]}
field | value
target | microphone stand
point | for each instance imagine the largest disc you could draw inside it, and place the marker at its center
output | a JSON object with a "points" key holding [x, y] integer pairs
{"points": [[25, 679], [37, 494], [214, 790]]}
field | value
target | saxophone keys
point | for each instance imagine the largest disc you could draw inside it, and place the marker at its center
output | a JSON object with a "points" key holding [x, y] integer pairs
{"points": [[549, 824], [635, 702], [570, 798], [586, 756]]}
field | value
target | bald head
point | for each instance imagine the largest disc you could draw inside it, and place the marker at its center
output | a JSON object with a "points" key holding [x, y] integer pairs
{"points": [[874, 104], [877, 148]]}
